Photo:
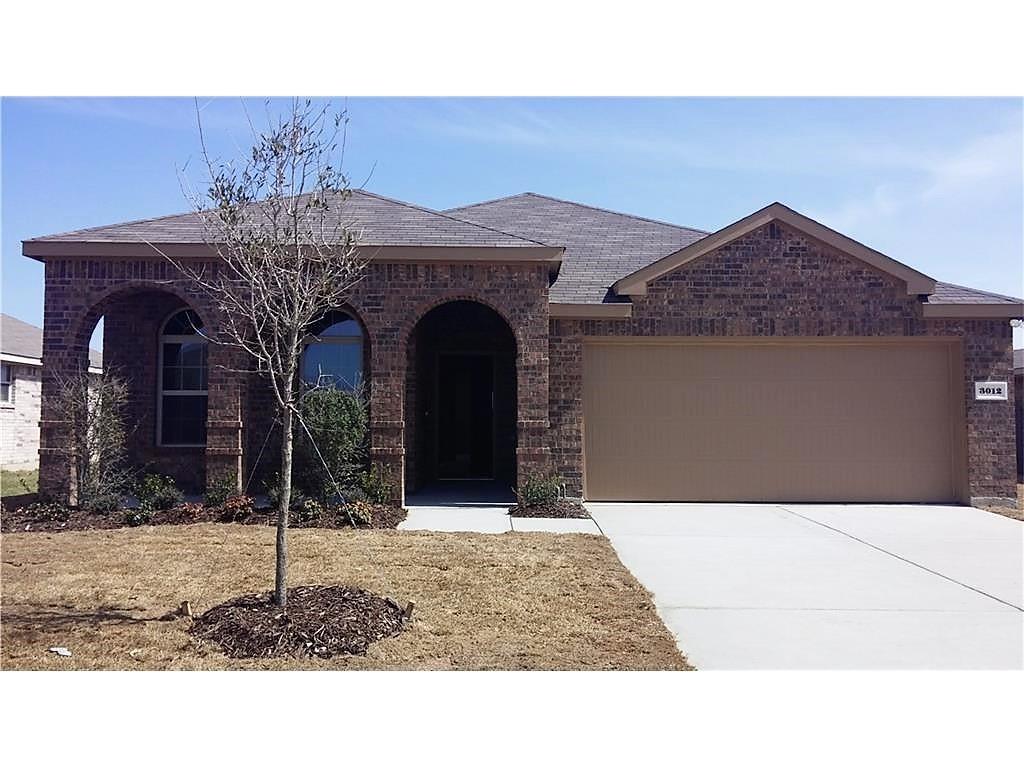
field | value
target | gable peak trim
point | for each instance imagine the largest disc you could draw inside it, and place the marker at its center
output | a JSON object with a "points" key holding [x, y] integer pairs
{"points": [[635, 284]]}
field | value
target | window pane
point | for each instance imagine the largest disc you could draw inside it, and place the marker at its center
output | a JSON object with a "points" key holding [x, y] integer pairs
{"points": [[193, 353], [340, 365], [172, 378], [172, 354], [191, 378], [349, 328], [5, 393], [184, 420]]}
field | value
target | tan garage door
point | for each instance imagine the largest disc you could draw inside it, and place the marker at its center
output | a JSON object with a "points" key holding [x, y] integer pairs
{"points": [[760, 421]]}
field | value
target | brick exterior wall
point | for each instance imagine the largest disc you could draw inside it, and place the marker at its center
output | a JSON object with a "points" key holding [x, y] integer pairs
{"points": [[777, 282], [1018, 386], [136, 296], [19, 420], [774, 282]]}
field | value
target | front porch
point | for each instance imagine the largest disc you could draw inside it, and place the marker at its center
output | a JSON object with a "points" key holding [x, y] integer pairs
{"points": [[453, 360]]}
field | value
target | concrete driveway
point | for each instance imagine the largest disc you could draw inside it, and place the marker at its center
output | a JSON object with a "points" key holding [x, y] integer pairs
{"points": [[766, 586]]}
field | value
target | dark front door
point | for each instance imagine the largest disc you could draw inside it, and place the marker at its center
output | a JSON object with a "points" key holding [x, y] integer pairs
{"points": [[465, 416]]}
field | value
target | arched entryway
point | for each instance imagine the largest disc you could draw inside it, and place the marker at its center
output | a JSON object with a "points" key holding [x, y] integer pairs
{"points": [[152, 339], [461, 397]]}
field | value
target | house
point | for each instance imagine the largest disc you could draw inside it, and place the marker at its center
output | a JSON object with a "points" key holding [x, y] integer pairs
{"points": [[774, 359], [21, 351]]}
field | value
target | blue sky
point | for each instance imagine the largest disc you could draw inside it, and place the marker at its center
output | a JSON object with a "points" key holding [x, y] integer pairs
{"points": [[935, 183]]}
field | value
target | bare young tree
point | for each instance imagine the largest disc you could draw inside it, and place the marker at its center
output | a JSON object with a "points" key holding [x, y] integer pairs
{"points": [[93, 405], [287, 256]]}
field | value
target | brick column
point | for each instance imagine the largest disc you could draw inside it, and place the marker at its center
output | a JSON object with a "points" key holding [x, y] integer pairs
{"points": [[387, 425], [65, 353], [225, 389], [533, 451]]}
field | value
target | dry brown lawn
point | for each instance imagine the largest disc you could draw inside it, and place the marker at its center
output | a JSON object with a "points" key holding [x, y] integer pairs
{"points": [[508, 601]]}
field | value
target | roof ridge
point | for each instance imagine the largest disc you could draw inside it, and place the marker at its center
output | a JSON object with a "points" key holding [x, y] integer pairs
{"points": [[591, 207], [359, 190], [979, 290], [444, 215], [488, 202]]}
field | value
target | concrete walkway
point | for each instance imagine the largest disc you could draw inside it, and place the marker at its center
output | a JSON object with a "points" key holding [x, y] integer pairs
{"points": [[829, 586], [478, 507]]}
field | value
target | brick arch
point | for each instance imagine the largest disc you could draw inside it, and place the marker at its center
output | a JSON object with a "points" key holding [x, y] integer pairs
{"points": [[350, 309], [408, 327], [417, 457], [82, 327]]}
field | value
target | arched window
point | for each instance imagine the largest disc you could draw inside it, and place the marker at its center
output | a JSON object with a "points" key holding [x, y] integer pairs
{"points": [[181, 412], [334, 355]]}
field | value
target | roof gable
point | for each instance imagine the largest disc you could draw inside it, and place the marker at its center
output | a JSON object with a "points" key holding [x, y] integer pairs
{"points": [[635, 284]]}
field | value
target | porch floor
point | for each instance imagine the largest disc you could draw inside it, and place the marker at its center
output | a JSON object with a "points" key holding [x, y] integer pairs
{"points": [[477, 506]]}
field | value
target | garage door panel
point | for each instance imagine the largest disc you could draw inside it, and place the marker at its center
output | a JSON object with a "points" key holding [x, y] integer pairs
{"points": [[731, 422]]}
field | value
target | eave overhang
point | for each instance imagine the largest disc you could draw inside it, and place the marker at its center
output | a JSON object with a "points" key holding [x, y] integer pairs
{"points": [[540, 254]]}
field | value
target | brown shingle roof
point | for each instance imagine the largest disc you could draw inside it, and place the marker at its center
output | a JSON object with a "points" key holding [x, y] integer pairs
{"points": [[601, 246], [948, 293], [382, 221], [25, 340]]}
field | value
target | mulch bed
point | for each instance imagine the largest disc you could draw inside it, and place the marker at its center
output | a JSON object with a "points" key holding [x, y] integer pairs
{"points": [[23, 519], [562, 508], [320, 621]]}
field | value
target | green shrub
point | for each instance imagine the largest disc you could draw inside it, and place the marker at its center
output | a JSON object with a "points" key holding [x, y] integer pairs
{"points": [[220, 490], [158, 492], [138, 516], [102, 502], [538, 490], [378, 485], [337, 438]]}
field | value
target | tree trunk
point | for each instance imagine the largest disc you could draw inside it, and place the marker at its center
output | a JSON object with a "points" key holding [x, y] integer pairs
{"points": [[283, 502]]}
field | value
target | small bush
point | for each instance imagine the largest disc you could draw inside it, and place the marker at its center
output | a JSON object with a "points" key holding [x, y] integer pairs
{"points": [[158, 492], [273, 491], [535, 491], [47, 511], [337, 426], [377, 485], [188, 511], [236, 508], [103, 503], [220, 490], [309, 511], [355, 512], [138, 516]]}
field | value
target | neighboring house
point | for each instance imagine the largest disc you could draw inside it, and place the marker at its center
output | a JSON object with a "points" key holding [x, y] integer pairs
{"points": [[1018, 392], [21, 351], [775, 359]]}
